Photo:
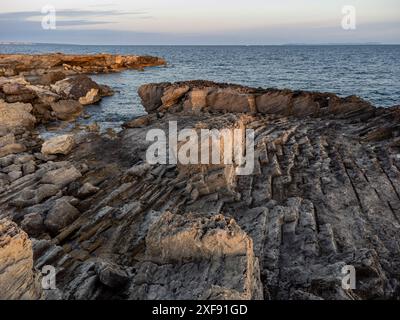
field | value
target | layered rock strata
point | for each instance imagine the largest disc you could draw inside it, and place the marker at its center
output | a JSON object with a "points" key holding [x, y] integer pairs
{"points": [[324, 194], [42, 65]]}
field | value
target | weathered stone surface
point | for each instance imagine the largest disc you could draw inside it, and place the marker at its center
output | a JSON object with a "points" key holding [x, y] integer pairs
{"points": [[33, 224], [61, 215], [51, 78], [61, 177], [172, 95], [14, 115], [323, 195], [59, 145], [15, 64], [91, 97], [87, 190], [67, 109], [17, 278], [210, 96], [11, 149], [151, 95], [180, 244]]}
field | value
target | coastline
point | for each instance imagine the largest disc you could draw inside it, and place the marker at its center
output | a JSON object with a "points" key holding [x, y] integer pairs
{"points": [[120, 228]]}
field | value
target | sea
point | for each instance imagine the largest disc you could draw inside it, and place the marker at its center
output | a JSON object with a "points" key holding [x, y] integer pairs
{"points": [[369, 71]]}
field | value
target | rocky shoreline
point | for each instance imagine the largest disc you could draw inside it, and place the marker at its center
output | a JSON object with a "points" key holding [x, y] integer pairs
{"points": [[324, 194]]}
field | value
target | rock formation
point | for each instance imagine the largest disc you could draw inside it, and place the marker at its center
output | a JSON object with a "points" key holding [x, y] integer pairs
{"points": [[17, 278], [49, 65], [324, 194]]}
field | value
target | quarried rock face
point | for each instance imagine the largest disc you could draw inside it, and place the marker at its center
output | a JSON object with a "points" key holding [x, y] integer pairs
{"points": [[17, 278]]}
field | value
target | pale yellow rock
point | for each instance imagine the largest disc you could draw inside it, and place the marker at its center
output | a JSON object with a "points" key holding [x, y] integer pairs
{"points": [[91, 97], [17, 279], [59, 145], [17, 114]]}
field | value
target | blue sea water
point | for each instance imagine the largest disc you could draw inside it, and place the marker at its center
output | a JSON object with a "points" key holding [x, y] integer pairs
{"points": [[369, 71]]}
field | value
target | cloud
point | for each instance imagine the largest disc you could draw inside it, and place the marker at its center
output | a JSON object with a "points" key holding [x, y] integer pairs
{"points": [[65, 18], [22, 27]]}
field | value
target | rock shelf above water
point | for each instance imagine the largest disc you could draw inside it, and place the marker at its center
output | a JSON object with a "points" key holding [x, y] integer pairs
{"points": [[17, 64]]}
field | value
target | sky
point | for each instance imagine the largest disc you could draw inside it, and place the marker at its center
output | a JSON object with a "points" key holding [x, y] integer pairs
{"points": [[188, 22]]}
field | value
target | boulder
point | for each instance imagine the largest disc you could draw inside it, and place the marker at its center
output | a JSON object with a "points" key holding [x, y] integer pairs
{"points": [[92, 97], [67, 109], [76, 87], [51, 78], [13, 115], [61, 215], [59, 145], [18, 92]]}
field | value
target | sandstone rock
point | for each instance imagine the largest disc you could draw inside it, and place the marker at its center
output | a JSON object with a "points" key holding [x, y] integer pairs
{"points": [[197, 99], [51, 78], [14, 115], [7, 139], [17, 279], [61, 177], [67, 109], [11, 149], [174, 238], [184, 244], [55, 62], [173, 94], [92, 97], [138, 123], [59, 145], [228, 101], [61, 215]]}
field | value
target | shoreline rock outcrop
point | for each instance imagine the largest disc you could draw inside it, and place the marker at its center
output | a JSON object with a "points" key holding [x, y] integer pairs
{"points": [[324, 194], [17, 277], [46, 65]]}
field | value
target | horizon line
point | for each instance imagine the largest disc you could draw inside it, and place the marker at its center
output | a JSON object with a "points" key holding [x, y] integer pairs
{"points": [[205, 44]]}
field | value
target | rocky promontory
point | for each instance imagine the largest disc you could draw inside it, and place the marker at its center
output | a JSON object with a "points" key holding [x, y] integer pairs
{"points": [[324, 194], [25, 64]]}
